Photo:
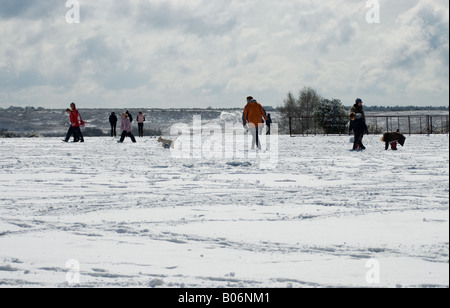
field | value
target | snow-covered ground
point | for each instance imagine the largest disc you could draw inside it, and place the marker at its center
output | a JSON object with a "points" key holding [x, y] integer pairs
{"points": [[105, 214]]}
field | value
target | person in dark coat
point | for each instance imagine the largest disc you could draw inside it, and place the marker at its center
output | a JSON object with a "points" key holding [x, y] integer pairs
{"points": [[113, 122], [359, 127], [268, 123], [130, 117], [358, 108]]}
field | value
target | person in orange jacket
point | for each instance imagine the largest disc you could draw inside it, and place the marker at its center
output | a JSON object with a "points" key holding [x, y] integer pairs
{"points": [[253, 116]]}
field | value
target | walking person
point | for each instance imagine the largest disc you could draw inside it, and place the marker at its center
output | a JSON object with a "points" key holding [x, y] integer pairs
{"points": [[358, 108], [126, 129], [70, 131], [113, 122], [75, 123], [249, 98], [359, 127], [141, 120], [253, 116], [268, 123]]}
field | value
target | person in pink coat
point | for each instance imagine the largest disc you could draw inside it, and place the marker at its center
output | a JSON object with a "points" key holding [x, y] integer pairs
{"points": [[126, 129], [141, 120]]}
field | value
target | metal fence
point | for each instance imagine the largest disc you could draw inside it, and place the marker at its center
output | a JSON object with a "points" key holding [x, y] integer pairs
{"points": [[406, 124]]}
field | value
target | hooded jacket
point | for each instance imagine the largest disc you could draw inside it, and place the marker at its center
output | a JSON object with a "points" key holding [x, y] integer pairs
{"points": [[254, 113]]}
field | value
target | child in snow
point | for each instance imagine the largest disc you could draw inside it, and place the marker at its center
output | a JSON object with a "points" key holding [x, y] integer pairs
{"points": [[359, 127], [126, 128]]}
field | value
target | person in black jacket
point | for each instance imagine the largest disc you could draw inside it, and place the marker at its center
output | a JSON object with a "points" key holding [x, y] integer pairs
{"points": [[358, 108], [268, 123], [130, 117], [113, 122], [359, 127]]}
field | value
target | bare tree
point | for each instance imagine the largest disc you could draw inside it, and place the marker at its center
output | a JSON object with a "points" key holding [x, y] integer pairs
{"points": [[303, 108], [290, 107], [308, 101]]}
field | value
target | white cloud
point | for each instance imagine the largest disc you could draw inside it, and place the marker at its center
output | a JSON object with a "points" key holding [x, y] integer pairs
{"points": [[180, 53]]}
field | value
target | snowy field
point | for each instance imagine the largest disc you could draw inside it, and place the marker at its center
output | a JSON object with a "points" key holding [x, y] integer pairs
{"points": [[103, 214]]}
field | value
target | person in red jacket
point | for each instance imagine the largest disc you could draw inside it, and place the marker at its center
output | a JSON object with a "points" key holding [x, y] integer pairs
{"points": [[75, 122], [253, 116]]}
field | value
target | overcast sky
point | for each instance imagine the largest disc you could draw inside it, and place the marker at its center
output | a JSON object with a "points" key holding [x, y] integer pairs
{"points": [[201, 53]]}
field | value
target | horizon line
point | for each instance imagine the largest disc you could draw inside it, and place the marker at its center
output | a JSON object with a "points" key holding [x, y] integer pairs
{"points": [[217, 108]]}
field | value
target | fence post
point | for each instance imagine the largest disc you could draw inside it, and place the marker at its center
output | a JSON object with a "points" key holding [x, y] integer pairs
{"points": [[431, 124], [409, 125], [420, 122], [290, 126], [446, 123], [303, 126], [376, 125]]}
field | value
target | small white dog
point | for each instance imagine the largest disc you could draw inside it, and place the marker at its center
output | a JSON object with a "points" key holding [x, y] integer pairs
{"points": [[166, 143]]}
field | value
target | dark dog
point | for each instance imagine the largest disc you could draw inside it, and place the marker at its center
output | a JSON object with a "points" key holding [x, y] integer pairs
{"points": [[392, 139]]}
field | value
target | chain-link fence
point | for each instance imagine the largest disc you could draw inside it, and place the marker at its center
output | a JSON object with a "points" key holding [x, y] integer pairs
{"points": [[406, 124]]}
